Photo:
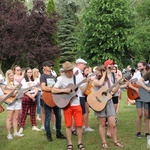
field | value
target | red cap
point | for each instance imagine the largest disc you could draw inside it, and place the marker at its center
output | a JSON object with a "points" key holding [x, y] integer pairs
{"points": [[108, 62]]}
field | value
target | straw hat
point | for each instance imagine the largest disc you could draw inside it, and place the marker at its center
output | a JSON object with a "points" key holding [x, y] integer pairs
{"points": [[67, 66]]}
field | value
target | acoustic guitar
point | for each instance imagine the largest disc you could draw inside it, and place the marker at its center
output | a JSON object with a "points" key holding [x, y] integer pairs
{"points": [[97, 100], [62, 100], [132, 94], [20, 93], [8, 96], [144, 94], [89, 88], [48, 99]]}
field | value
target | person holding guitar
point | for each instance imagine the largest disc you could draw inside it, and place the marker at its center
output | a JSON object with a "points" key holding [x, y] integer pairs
{"points": [[14, 108], [73, 108], [47, 82], [29, 100], [105, 79], [140, 104]]}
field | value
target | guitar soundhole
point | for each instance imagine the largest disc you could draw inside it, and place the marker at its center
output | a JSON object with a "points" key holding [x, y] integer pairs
{"points": [[104, 93]]}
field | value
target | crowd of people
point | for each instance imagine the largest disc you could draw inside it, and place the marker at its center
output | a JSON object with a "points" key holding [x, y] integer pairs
{"points": [[30, 92]]}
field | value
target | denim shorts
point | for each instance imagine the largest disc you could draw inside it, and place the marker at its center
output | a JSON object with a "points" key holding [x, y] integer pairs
{"points": [[140, 104], [108, 111]]}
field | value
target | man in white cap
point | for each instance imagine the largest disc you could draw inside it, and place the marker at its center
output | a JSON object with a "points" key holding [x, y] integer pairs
{"points": [[78, 70]]}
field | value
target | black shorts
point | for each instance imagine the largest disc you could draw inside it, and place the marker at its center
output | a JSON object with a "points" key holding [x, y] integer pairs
{"points": [[115, 99], [82, 103]]}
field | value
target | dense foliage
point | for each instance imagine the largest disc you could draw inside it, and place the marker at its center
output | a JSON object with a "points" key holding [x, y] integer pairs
{"points": [[26, 37], [67, 29], [106, 25]]}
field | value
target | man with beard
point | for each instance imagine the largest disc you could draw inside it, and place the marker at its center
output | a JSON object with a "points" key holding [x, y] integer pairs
{"points": [[140, 104]]}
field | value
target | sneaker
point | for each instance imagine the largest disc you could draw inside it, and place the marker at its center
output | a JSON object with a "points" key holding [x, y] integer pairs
{"points": [[54, 127], [116, 120], [60, 136], [147, 134], [9, 137], [34, 128], [21, 130], [74, 132], [89, 129], [139, 135], [42, 127], [18, 134], [49, 138], [38, 118]]}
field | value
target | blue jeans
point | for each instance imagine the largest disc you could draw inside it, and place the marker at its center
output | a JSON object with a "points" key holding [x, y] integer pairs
{"points": [[38, 104], [57, 112]]}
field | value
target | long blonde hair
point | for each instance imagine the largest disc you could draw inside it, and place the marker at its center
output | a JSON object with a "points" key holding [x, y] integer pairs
{"points": [[34, 71], [8, 72]]}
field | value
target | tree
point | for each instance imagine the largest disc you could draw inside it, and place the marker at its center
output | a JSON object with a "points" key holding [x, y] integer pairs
{"points": [[140, 36], [26, 37], [67, 27], [106, 25]]}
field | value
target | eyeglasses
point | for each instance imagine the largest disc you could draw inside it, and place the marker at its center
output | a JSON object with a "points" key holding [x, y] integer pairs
{"points": [[18, 69]]}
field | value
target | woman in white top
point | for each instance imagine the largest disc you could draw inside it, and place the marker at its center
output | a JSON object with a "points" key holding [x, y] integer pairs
{"points": [[13, 109], [29, 100]]}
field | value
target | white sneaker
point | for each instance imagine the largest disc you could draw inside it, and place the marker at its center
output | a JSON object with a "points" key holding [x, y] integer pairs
{"points": [[20, 131], [18, 134], [54, 127], [42, 127], [35, 128], [38, 118], [9, 137], [89, 129]]}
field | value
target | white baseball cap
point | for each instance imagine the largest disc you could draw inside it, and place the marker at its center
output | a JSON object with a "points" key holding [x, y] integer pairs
{"points": [[79, 60]]}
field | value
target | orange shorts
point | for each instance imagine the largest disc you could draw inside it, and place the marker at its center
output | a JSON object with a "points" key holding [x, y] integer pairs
{"points": [[76, 113]]}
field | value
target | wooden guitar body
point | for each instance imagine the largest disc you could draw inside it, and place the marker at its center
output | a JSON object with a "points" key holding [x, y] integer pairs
{"points": [[89, 88], [63, 99], [132, 94], [48, 99], [144, 94], [98, 99]]}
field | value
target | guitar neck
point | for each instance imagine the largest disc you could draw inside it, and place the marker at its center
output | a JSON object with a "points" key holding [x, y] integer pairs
{"points": [[76, 86], [110, 89]]}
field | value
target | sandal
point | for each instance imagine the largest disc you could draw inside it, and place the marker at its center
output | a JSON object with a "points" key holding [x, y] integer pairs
{"points": [[118, 144], [81, 147], [70, 147], [104, 145]]}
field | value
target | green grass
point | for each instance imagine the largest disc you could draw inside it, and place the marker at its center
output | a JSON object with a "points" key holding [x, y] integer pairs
{"points": [[126, 129]]}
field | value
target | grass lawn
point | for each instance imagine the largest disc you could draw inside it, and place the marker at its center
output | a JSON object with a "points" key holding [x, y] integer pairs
{"points": [[126, 128]]}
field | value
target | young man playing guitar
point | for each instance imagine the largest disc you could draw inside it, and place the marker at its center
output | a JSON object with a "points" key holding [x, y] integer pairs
{"points": [[47, 81], [140, 104], [73, 109], [109, 111], [146, 77]]}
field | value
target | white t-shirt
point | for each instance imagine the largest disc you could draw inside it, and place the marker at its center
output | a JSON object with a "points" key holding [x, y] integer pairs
{"points": [[79, 78], [138, 76], [63, 81], [1, 92], [28, 84]]}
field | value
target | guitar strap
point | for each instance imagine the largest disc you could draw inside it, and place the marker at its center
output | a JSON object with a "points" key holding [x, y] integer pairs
{"points": [[74, 79], [108, 82]]}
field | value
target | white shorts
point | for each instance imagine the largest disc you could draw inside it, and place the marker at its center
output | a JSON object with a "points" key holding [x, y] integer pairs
{"points": [[15, 106]]}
